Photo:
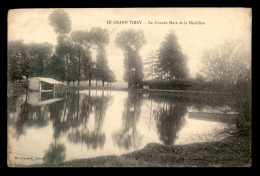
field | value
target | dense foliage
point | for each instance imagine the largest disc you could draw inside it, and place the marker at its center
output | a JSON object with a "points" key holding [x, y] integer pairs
{"points": [[172, 61], [70, 60], [131, 42], [227, 72]]}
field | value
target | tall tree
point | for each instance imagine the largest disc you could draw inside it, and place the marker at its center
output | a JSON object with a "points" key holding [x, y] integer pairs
{"points": [[87, 66], [88, 45], [87, 69], [17, 60], [61, 23], [99, 38], [101, 65], [150, 63], [131, 42], [73, 65], [65, 50], [78, 38], [57, 68], [39, 56], [85, 42], [172, 61]]}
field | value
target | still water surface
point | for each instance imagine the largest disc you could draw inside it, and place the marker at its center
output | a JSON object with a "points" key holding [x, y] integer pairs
{"points": [[54, 127]]}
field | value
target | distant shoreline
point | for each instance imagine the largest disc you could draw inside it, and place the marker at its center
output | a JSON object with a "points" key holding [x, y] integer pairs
{"points": [[17, 89]]}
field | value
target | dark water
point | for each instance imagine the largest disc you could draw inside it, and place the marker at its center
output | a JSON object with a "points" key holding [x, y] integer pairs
{"points": [[54, 127]]}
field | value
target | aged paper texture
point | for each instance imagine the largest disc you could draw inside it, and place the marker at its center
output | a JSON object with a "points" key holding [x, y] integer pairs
{"points": [[56, 117]]}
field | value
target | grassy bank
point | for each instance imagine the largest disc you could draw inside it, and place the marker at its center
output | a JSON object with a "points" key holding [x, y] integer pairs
{"points": [[232, 152]]}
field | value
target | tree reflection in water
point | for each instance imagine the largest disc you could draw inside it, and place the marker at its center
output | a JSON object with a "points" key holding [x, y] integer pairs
{"points": [[55, 154], [17, 112], [96, 138], [128, 137], [25, 115], [71, 119], [169, 120], [69, 116]]}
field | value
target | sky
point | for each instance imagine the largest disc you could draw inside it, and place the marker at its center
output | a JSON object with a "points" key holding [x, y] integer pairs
{"points": [[217, 25]]}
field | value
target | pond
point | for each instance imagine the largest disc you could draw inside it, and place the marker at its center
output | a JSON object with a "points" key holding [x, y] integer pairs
{"points": [[51, 127]]}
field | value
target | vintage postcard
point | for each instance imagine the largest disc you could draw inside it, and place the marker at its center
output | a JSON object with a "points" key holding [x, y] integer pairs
{"points": [[129, 87]]}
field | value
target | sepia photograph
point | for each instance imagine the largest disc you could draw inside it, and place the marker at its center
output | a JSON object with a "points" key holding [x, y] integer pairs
{"points": [[129, 87]]}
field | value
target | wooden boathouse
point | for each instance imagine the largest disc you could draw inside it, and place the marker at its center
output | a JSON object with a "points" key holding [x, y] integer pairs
{"points": [[43, 84]]}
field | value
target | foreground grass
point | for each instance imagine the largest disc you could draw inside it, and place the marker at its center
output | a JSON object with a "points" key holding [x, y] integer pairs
{"points": [[232, 152]]}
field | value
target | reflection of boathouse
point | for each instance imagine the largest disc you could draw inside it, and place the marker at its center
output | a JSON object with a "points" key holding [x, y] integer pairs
{"points": [[42, 98], [43, 84]]}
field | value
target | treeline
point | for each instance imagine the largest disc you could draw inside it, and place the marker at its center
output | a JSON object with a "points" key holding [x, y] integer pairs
{"points": [[166, 65], [70, 60]]}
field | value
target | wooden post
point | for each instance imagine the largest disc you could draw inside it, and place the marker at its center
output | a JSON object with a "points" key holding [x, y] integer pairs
{"points": [[53, 91], [40, 86]]}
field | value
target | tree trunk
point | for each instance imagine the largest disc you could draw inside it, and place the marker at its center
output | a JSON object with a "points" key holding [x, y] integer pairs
{"points": [[89, 82], [78, 105], [102, 69], [79, 69], [89, 72], [129, 69], [65, 105], [135, 72], [67, 63]]}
